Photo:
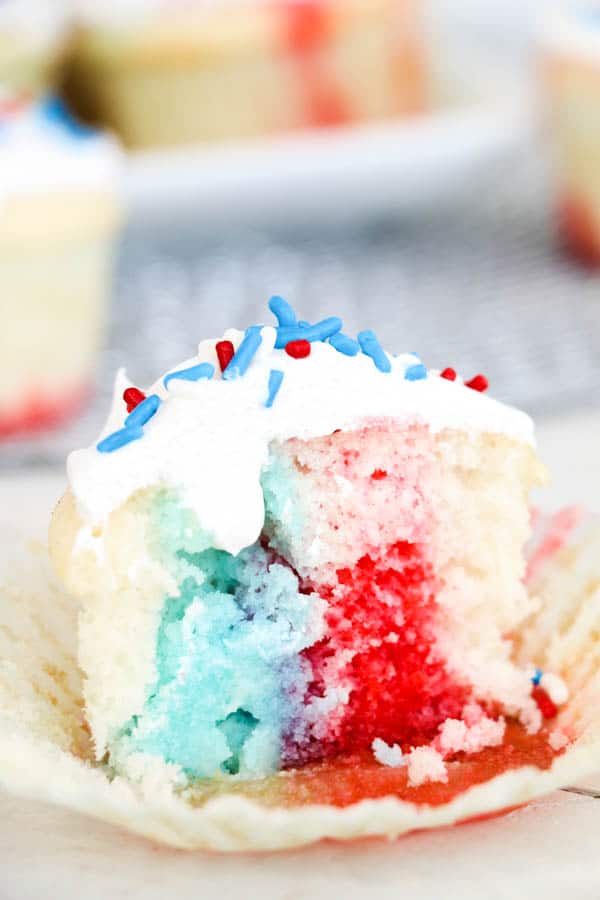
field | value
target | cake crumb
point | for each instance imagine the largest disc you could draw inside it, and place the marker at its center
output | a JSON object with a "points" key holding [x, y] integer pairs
{"points": [[531, 717], [453, 736], [386, 754], [457, 737], [425, 764], [558, 739]]}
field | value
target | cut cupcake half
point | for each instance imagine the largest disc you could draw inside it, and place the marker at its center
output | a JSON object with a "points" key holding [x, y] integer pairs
{"points": [[298, 556]]}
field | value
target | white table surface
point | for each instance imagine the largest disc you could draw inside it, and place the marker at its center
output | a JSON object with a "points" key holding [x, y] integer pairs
{"points": [[549, 848]]}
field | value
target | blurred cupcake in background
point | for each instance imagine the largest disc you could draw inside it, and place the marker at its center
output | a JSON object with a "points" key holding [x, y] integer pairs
{"points": [[59, 214], [571, 67], [169, 72], [32, 39]]}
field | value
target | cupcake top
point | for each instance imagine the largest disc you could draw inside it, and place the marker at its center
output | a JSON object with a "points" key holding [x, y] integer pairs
{"points": [[205, 427], [41, 22], [43, 149]]}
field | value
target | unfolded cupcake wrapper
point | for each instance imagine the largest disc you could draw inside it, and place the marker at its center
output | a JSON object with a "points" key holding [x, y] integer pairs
{"points": [[46, 753]]}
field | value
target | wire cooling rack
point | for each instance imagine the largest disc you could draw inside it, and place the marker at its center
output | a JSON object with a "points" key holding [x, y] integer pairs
{"points": [[478, 285]]}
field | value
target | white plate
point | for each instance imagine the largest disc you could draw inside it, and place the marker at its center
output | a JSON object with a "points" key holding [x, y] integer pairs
{"points": [[348, 172], [481, 85]]}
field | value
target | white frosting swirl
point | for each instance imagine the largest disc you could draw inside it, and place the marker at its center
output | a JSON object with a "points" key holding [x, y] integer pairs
{"points": [[210, 439], [43, 150]]}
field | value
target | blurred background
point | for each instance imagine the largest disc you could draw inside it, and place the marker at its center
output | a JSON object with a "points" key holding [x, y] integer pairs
{"points": [[426, 168]]}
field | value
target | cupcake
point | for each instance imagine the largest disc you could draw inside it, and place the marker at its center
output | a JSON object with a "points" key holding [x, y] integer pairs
{"points": [[299, 562], [165, 73], [32, 37], [58, 216], [571, 69]]}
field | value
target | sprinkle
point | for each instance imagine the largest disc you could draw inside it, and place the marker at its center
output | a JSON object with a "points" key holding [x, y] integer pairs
{"points": [[275, 379], [371, 347], [536, 677], [478, 383], [297, 349], [318, 332], [282, 311], [416, 372], [143, 412], [545, 705], [133, 397], [225, 353], [449, 374], [245, 353], [119, 439], [54, 111], [302, 323], [378, 474], [194, 373], [344, 344]]}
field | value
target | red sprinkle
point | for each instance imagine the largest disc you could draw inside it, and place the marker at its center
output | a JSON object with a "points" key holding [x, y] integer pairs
{"points": [[449, 374], [545, 705], [297, 349], [478, 383], [133, 397], [378, 474], [12, 105], [225, 353]]}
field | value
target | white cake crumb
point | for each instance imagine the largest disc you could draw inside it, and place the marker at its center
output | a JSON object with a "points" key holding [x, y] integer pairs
{"points": [[485, 733], [531, 717], [555, 687], [387, 755], [558, 739], [472, 713], [456, 736], [453, 736], [425, 764]]}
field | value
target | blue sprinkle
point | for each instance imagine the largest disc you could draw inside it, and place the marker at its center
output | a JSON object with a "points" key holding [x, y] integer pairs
{"points": [[370, 346], [303, 324], [536, 677], [245, 353], [416, 373], [318, 332], [119, 439], [275, 379], [282, 311], [143, 412], [195, 373], [344, 344], [56, 113]]}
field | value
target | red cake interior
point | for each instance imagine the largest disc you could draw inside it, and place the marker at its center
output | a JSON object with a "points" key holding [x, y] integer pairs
{"points": [[383, 612]]}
